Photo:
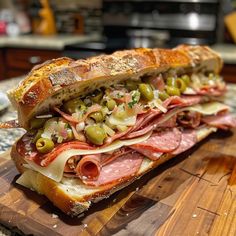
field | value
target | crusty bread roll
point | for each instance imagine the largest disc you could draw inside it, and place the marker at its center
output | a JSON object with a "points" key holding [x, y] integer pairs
{"points": [[59, 80], [74, 197]]}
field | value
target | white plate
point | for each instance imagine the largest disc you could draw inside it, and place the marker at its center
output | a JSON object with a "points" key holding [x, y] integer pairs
{"points": [[4, 102]]}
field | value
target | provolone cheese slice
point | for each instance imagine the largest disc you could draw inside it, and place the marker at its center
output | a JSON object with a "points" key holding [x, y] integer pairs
{"points": [[210, 108], [56, 168]]}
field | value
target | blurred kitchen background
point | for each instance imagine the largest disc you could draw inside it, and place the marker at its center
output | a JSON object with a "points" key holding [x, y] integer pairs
{"points": [[33, 31]]}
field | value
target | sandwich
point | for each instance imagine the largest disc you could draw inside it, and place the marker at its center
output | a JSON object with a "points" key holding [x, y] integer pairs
{"points": [[94, 126]]}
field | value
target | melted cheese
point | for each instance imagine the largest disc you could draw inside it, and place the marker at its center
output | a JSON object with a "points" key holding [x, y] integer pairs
{"points": [[56, 168]]}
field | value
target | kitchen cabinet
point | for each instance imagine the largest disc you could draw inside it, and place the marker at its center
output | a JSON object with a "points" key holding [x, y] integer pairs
{"points": [[229, 72], [19, 61], [2, 64]]}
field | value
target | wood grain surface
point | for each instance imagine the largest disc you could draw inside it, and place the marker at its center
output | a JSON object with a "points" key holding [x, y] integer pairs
{"points": [[193, 194]]}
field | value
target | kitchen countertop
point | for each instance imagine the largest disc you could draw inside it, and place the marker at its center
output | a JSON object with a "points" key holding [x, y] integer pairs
{"points": [[55, 42], [8, 137]]}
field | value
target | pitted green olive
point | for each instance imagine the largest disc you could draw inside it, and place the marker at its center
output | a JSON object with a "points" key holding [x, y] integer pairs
{"points": [[95, 134], [74, 105], [36, 123], [44, 145], [171, 81], [97, 96], [131, 85], [111, 104], [163, 95], [146, 91], [97, 116], [181, 85], [186, 79], [172, 91]]}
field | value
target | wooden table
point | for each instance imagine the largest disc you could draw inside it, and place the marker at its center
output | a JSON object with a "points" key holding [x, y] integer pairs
{"points": [[194, 194]]}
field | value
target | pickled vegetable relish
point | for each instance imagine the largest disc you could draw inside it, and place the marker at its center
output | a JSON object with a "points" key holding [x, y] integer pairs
{"points": [[96, 117]]}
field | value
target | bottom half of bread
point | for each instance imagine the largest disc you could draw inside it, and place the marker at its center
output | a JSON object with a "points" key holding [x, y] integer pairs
{"points": [[74, 197]]}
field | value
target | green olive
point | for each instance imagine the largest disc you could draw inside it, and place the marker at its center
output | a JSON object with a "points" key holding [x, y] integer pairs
{"points": [[186, 79], [73, 105], [97, 116], [111, 104], [36, 123], [131, 85], [172, 91], [163, 95], [95, 134], [146, 91], [181, 85], [38, 135], [44, 145], [97, 96], [171, 81]]}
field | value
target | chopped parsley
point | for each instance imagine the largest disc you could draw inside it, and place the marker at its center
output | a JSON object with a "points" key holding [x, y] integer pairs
{"points": [[135, 99]]}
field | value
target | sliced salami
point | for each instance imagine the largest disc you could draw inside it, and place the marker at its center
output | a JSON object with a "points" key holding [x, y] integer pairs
{"points": [[162, 141], [120, 169], [189, 139], [223, 121], [149, 153], [184, 100]]}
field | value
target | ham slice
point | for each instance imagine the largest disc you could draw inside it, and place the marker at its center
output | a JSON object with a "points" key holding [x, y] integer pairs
{"points": [[158, 82], [162, 141], [89, 167], [222, 121], [157, 121], [118, 170], [212, 90], [184, 100], [190, 119], [189, 139], [66, 116], [46, 159]]}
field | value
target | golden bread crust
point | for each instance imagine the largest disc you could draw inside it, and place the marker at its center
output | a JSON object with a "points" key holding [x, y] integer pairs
{"points": [[61, 79]]}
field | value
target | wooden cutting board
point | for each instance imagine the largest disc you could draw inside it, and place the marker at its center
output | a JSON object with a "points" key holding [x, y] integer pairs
{"points": [[193, 194]]}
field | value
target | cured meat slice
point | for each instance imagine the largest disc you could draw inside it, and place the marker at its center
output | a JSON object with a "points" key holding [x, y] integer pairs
{"points": [[106, 158], [189, 139], [212, 90], [162, 141], [26, 148], [149, 154], [139, 132], [190, 119], [89, 167], [158, 82], [170, 123], [223, 121], [184, 100], [120, 169]]}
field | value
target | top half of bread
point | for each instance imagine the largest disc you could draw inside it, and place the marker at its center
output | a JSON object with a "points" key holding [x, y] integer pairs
{"points": [[58, 80]]}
